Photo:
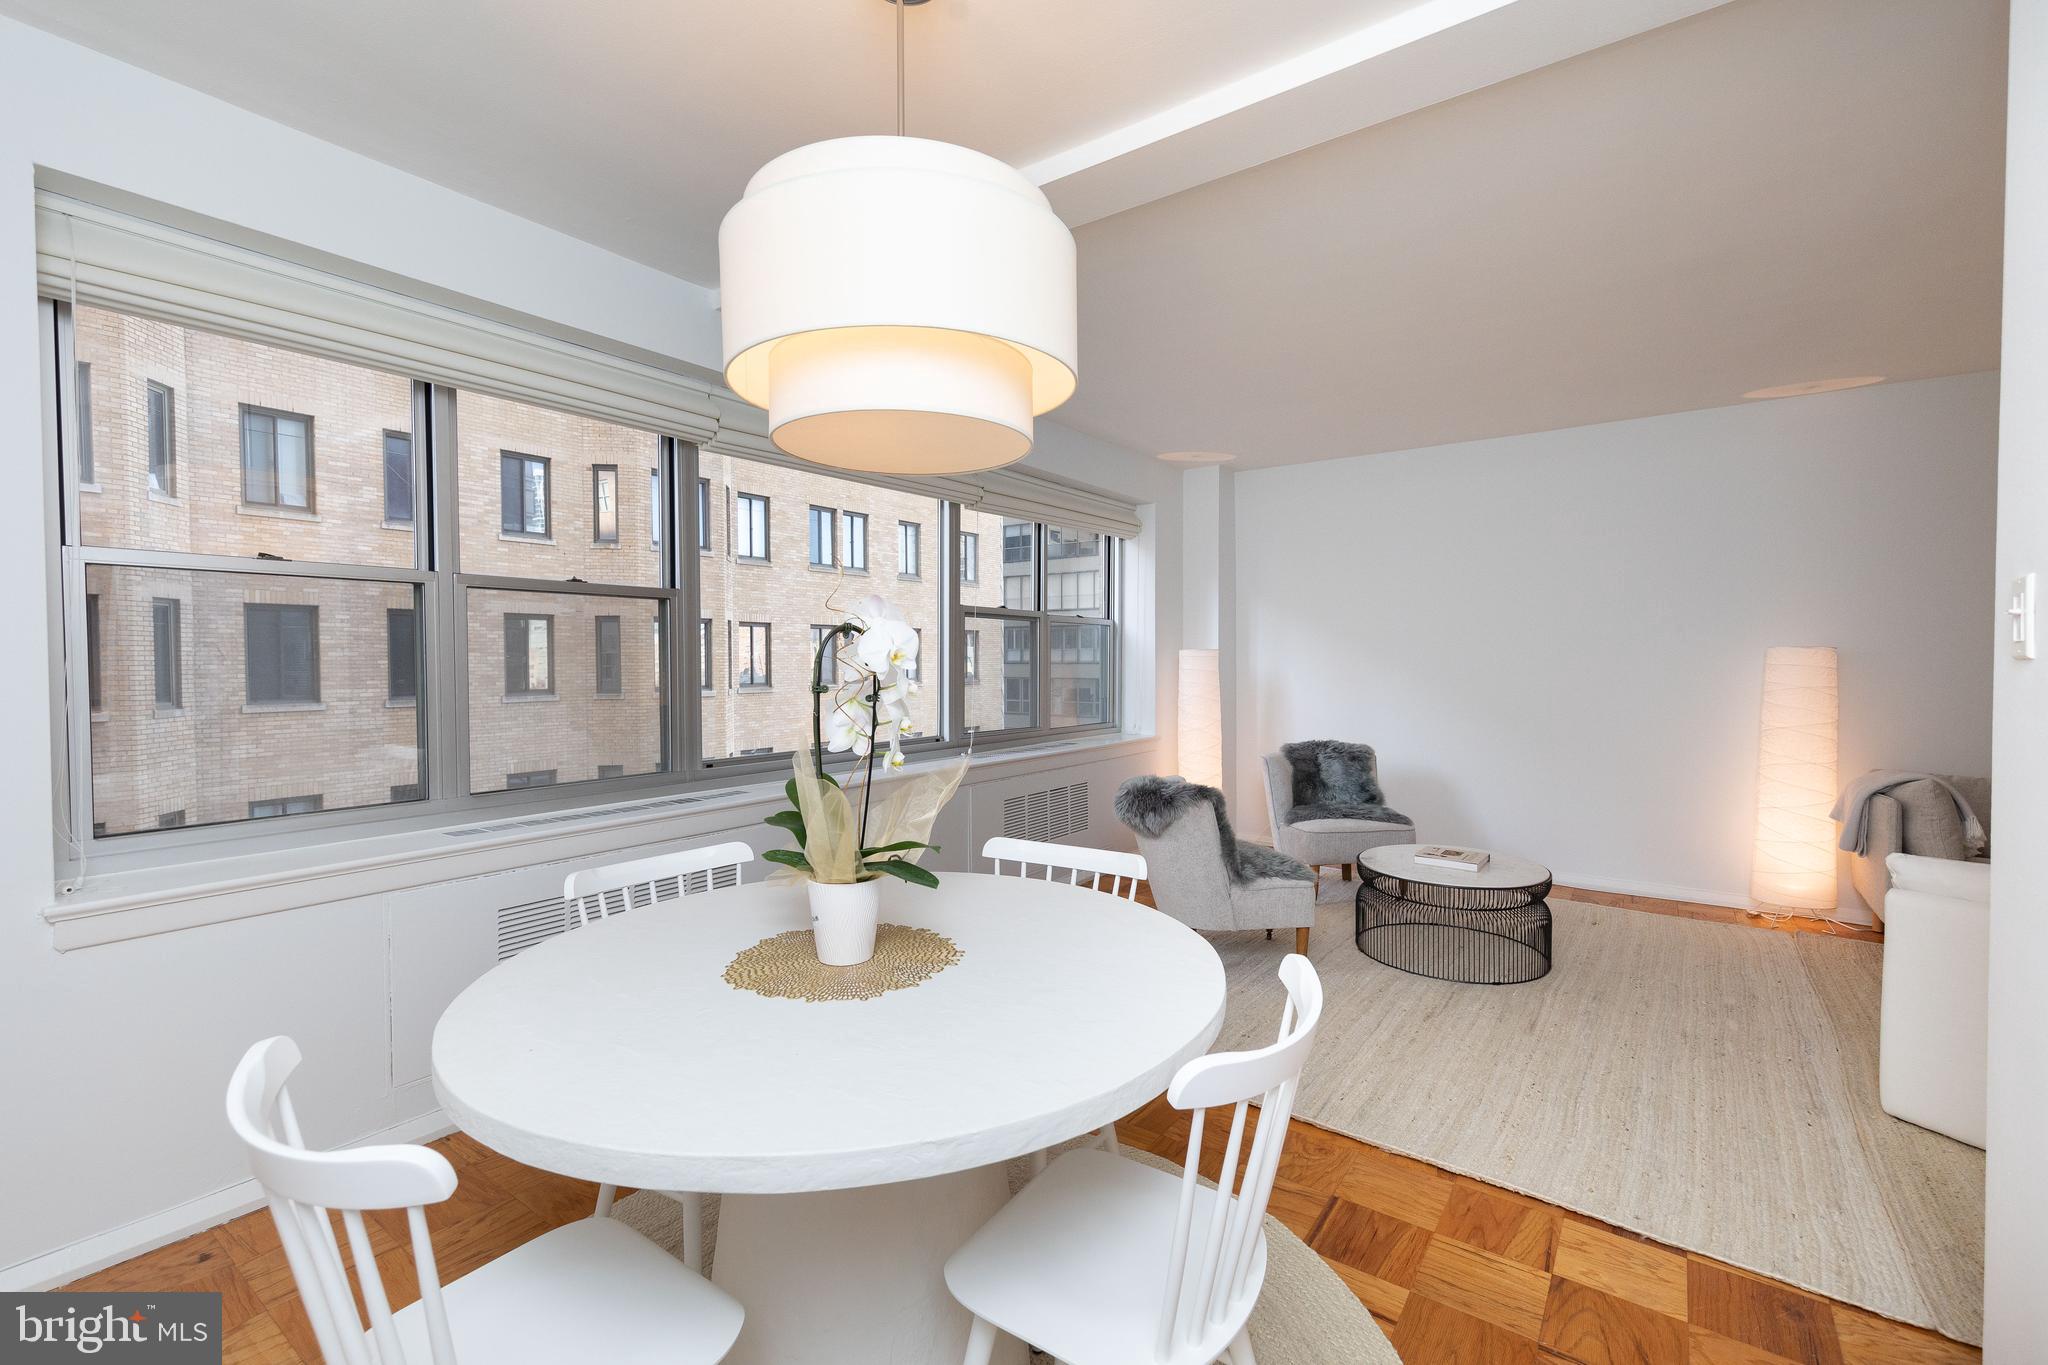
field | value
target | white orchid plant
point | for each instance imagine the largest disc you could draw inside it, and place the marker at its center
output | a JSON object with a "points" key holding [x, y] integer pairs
{"points": [[869, 710]]}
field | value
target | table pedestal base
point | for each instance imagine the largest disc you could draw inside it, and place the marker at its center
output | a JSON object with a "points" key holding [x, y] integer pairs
{"points": [[855, 1277]]}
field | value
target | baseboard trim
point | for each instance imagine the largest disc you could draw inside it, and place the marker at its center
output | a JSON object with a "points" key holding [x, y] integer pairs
{"points": [[1657, 891], [102, 1249]]}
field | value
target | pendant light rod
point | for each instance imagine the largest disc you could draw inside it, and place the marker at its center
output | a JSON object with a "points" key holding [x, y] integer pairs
{"points": [[900, 7]]}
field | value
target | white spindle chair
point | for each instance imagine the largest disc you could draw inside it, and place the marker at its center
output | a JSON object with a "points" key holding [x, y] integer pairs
{"points": [[1101, 1261], [598, 892], [591, 1290], [1124, 870]]}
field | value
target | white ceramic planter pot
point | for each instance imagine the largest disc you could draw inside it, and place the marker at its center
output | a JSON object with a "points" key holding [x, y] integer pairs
{"points": [[843, 920]]}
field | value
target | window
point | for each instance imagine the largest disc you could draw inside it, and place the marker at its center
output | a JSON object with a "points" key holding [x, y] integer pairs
{"points": [[606, 771], [823, 534], [167, 638], [401, 654], [532, 777], [1017, 542], [906, 542], [1017, 700], [972, 661], [828, 668], [1053, 607], [171, 819], [704, 673], [82, 400], [1072, 544], [409, 791], [751, 648], [703, 513], [857, 541], [281, 643], [277, 459], [522, 494], [750, 527], [529, 655], [1000, 698], [604, 504], [163, 443], [92, 651], [285, 805], [1073, 591], [610, 668], [970, 557], [398, 499]]}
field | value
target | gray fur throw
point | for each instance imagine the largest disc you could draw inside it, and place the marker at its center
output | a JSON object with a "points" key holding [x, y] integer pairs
{"points": [[1152, 805], [1334, 780]]}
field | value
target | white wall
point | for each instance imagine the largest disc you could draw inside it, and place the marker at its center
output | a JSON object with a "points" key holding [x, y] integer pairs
{"points": [[1556, 641], [115, 1056], [2016, 1182]]}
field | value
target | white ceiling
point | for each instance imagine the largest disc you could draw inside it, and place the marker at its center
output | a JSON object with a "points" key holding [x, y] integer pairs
{"points": [[1770, 191]]}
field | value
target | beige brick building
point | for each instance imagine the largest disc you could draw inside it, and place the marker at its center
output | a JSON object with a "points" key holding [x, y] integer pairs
{"points": [[223, 695]]}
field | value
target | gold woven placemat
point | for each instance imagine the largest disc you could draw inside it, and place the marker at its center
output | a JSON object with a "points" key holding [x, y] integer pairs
{"points": [[786, 966]]}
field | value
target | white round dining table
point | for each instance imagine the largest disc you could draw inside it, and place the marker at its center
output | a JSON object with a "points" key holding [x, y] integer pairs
{"points": [[857, 1143]]}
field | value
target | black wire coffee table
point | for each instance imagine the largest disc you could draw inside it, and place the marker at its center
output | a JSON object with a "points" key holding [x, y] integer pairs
{"points": [[1484, 928]]}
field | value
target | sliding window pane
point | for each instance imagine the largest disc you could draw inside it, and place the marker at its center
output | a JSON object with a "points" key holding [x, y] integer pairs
{"points": [[1083, 669], [543, 497], [206, 444], [567, 684], [773, 579], [1002, 673], [225, 692]]}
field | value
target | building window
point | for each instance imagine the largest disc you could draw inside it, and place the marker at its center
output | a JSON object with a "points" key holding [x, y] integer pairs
{"points": [[532, 777], [704, 674], [398, 499], [822, 536], [1017, 698], [92, 651], [286, 805], [1074, 590], [604, 504], [282, 644], [611, 672], [607, 771], [1017, 644], [1017, 542], [401, 654], [972, 659], [523, 494], [277, 459], [83, 406], [970, 557], [906, 548], [1071, 544], [163, 440], [409, 791], [857, 541], [750, 527], [752, 652], [167, 636], [529, 655], [829, 668], [703, 514], [171, 819]]}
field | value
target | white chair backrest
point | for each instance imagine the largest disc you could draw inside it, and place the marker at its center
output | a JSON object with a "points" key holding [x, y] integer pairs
{"points": [[599, 891], [303, 1185], [1124, 870], [1201, 1294]]}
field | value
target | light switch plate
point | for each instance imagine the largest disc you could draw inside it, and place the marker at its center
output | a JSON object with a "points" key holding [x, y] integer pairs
{"points": [[2020, 612]]}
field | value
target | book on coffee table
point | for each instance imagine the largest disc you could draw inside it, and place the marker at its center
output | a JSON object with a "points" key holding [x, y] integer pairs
{"points": [[1443, 855]]}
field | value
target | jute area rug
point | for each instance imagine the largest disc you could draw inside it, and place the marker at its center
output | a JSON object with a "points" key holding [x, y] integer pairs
{"points": [[1305, 1315], [1711, 1086]]}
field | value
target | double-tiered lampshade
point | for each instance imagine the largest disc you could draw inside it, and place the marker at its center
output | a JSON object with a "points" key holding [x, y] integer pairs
{"points": [[898, 305]]}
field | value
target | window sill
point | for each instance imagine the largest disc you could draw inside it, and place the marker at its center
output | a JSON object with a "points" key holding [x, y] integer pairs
{"points": [[110, 907], [262, 708], [753, 561], [608, 696], [101, 717], [515, 698], [258, 509], [401, 703], [410, 528], [168, 499], [162, 712], [754, 687], [90, 488], [522, 538]]}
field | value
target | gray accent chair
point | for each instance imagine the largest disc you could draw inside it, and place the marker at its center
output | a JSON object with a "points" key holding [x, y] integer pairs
{"points": [[1916, 818], [1191, 882], [1322, 843]]}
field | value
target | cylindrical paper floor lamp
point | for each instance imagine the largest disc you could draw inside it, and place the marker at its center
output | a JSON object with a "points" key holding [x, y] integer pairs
{"points": [[1795, 781], [1201, 716]]}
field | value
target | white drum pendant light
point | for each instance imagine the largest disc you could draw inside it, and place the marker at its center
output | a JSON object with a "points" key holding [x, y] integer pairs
{"points": [[897, 305]]}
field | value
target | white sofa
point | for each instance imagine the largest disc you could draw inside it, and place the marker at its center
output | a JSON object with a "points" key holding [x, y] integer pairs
{"points": [[1932, 1027]]}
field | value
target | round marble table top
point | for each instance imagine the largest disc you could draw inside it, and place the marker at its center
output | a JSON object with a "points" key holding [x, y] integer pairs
{"points": [[1503, 871], [617, 1052]]}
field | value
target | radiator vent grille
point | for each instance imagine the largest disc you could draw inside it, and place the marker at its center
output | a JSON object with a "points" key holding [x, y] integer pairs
{"points": [[1057, 813], [522, 926], [570, 817]]}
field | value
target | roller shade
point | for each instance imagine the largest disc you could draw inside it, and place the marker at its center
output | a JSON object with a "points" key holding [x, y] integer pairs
{"points": [[110, 259]]}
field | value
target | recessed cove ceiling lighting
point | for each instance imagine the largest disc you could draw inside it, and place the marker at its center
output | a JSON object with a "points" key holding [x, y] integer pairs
{"points": [[1197, 457], [1813, 386]]}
